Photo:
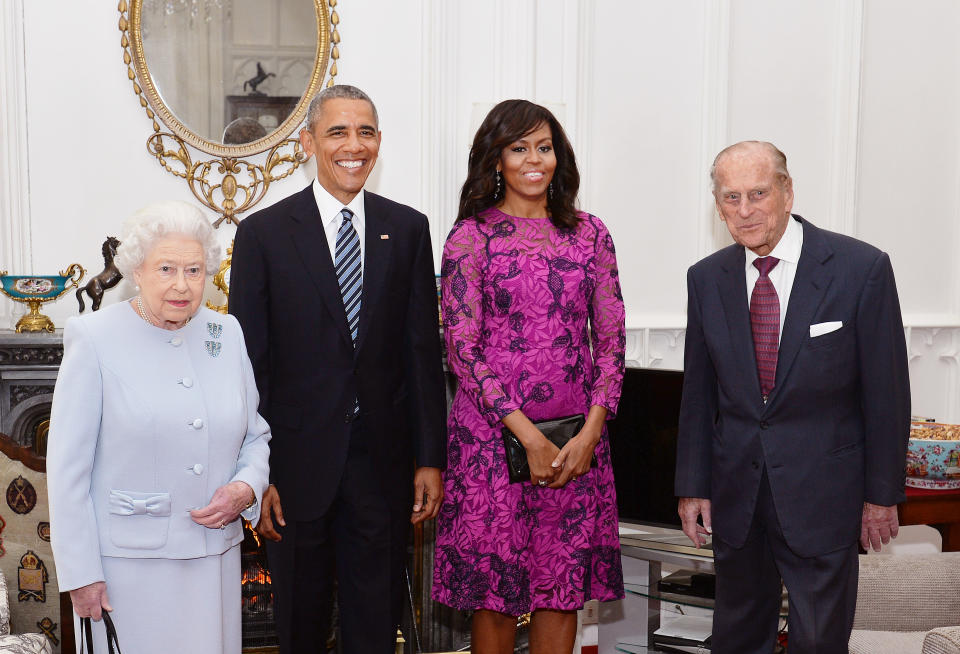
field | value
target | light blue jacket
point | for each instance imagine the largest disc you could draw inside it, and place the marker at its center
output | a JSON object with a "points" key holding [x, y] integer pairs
{"points": [[146, 424]]}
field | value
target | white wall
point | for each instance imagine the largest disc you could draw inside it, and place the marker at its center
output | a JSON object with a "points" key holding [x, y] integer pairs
{"points": [[862, 95]]}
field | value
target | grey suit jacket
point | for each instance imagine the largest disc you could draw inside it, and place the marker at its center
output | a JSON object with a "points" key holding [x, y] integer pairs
{"points": [[146, 424]]}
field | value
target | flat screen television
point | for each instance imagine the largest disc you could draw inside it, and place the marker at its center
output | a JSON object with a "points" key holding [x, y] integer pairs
{"points": [[643, 441]]}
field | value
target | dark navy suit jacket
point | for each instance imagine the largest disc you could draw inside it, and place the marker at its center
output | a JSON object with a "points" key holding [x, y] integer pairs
{"points": [[833, 432], [284, 292]]}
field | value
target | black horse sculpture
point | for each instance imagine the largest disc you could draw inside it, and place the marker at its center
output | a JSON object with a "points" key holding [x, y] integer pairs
{"points": [[109, 278], [254, 82]]}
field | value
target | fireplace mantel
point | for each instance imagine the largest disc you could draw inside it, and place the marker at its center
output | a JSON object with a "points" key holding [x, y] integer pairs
{"points": [[28, 373]]}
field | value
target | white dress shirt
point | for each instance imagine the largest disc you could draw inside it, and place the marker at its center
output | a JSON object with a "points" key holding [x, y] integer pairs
{"points": [[330, 208], [788, 251]]}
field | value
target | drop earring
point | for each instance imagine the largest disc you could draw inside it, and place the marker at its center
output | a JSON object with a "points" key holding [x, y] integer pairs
{"points": [[550, 191], [496, 192]]}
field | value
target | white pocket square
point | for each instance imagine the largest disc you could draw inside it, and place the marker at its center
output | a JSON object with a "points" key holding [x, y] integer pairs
{"points": [[822, 328]]}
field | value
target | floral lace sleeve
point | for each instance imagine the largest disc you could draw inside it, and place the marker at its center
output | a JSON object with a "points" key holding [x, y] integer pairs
{"points": [[462, 304], [607, 331]]}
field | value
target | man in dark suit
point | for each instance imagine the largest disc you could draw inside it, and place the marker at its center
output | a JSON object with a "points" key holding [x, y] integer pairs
{"points": [[334, 288], [795, 412]]}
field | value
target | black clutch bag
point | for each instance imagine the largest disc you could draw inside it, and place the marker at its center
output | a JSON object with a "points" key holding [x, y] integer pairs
{"points": [[558, 431]]}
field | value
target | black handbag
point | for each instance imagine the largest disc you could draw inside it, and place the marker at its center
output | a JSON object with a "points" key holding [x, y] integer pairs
{"points": [[86, 629], [558, 431]]}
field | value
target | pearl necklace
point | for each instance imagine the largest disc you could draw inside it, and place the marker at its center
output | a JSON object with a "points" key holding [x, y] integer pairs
{"points": [[143, 312]]}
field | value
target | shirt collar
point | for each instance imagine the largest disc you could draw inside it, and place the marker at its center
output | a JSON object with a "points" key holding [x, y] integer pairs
{"points": [[330, 207], [788, 249]]}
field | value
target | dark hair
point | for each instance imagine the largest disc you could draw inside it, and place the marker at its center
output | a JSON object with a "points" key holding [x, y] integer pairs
{"points": [[507, 122], [344, 91]]}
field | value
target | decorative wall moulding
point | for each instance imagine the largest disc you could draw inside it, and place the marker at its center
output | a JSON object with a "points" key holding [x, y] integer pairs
{"points": [[15, 218], [845, 129], [655, 347]]}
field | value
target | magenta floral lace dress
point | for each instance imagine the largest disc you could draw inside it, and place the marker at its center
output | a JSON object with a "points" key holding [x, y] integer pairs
{"points": [[518, 299]]}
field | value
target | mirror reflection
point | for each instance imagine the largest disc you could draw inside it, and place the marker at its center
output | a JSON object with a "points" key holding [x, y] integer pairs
{"points": [[230, 70]]}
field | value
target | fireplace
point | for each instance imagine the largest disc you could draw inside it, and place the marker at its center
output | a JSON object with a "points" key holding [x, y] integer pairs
{"points": [[258, 632]]}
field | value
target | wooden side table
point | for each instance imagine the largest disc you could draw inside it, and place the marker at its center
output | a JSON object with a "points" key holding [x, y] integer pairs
{"points": [[938, 508]]}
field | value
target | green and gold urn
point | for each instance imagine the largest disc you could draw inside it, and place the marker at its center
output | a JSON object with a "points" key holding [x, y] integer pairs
{"points": [[34, 290]]}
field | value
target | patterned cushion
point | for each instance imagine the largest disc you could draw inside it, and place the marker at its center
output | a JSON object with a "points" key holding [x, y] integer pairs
{"points": [[886, 642], [25, 644]]}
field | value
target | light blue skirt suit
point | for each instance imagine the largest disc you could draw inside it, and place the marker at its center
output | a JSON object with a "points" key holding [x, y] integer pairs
{"points": [[146, 424]]}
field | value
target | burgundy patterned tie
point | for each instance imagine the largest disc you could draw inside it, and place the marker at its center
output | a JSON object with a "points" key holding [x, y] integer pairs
{"points": [[765, 324]]}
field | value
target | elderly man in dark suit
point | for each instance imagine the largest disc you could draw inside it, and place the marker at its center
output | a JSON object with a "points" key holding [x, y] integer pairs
{"points": [[795, 412], [334, 288]]}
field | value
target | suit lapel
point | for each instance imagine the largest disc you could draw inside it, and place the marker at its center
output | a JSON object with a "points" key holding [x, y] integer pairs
{"points": [[310, 242], [809, 287], [732, 283], [376, 259]]}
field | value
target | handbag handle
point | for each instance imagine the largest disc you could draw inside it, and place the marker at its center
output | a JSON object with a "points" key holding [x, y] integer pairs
{"points": [[86, 630]]}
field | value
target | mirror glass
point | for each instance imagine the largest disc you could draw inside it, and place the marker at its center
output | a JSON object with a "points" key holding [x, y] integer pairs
{"points": [[231, 71]]}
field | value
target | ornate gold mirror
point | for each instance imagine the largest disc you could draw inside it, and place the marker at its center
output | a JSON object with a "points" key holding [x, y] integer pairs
{"points": [[232, 79]]}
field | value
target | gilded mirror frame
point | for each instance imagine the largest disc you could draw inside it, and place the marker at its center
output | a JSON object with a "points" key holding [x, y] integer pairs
{"points": [[227, 184]]}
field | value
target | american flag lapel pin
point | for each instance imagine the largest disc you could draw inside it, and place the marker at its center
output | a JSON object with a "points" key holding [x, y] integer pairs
{"points": [[384, 237]]}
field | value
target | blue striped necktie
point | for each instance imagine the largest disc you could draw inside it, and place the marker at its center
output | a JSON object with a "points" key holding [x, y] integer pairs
{"points": [[349, 271]]}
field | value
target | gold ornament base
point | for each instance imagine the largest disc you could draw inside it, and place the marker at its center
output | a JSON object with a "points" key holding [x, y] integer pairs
{"points": [[34, 321]]}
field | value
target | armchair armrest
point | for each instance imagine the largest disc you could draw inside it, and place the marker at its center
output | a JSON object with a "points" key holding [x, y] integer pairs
{"points": [[945, 640]]}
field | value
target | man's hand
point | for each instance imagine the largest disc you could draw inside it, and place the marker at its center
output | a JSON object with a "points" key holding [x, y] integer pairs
{"points": [[689, 509], [91, 600], [880, 525], [270, 512], [427, 494]]}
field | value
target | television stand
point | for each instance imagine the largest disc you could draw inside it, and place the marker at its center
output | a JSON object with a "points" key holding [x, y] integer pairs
{"points": [[659, 546]]}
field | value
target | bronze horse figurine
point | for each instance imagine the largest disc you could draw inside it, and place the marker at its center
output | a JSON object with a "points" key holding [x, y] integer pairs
{"points": [[109, 278], [254, 82]]}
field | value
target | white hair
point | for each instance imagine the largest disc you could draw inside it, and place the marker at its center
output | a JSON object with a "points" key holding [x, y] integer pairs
{"points": [[777, 158], [143, 229]]}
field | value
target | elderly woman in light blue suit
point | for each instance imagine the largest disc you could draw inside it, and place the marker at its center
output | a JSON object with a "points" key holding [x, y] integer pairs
{"points": [[156, 449]]}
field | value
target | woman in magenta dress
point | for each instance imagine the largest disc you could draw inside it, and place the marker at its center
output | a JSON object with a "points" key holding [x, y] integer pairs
{"points": [[534, 323]]}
